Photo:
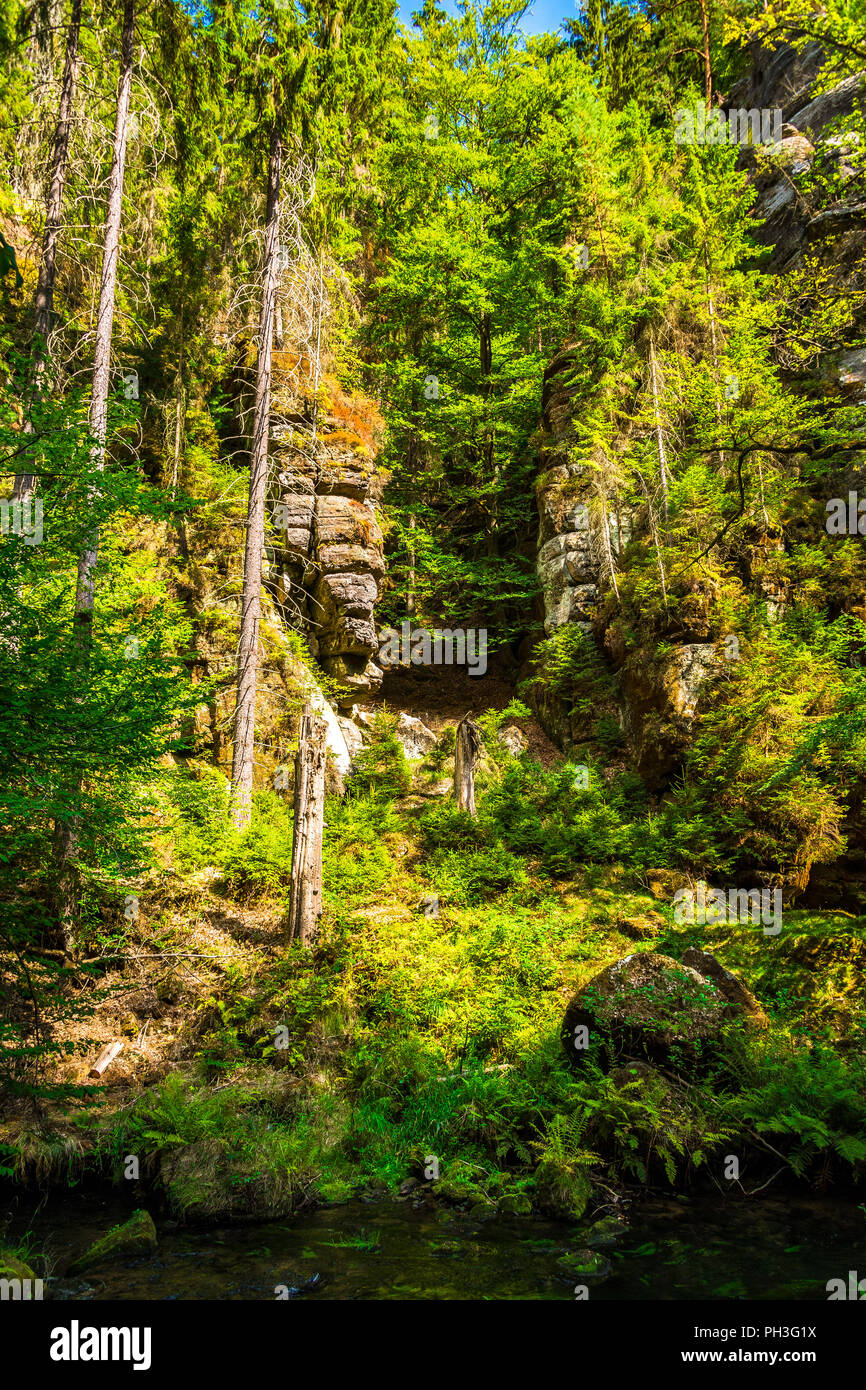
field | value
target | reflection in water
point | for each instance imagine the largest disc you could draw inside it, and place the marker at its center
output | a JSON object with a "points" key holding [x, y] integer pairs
{"points": [[673, 1249]]}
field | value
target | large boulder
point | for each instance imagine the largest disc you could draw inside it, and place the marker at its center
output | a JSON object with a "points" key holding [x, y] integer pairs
{"points": [[739, 999], [645, 1005]]}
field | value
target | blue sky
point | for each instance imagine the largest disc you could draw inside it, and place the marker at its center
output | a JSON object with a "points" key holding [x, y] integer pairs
{"points": [[544, 15]]}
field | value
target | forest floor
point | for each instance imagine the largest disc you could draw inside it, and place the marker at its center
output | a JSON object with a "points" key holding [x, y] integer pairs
{"points": [[257, 1078]]}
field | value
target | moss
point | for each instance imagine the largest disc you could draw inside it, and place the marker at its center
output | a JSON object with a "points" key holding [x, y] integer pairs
{"points": [[584, 1264], [136, 1238]]}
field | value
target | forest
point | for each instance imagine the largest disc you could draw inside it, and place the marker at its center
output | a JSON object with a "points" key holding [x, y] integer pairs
{"points": [[432, 635]]}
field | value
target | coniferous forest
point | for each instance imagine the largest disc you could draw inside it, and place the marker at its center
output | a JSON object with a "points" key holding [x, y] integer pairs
{"points": [[432, 635]]}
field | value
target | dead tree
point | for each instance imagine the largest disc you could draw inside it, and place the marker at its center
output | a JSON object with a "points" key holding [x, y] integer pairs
{"points": [[305, 904], [44, 305], [66, 831], [251, 602], [466, 754]]}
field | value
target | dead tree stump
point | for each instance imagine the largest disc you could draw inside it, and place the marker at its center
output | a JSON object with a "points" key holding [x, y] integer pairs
{"points": [[305, 903], [466, 754]]}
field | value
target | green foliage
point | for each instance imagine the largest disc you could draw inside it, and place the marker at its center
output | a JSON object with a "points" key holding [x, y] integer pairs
{"points": [[199, 798], [381, 766], [258, 861], [805, 1098]]}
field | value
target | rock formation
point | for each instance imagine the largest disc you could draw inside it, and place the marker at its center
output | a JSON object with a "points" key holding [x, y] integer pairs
{"points": [[327, 560]]}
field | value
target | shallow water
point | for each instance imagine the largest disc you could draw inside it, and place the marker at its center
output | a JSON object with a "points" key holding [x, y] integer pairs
{"points": [[385, 1249]]}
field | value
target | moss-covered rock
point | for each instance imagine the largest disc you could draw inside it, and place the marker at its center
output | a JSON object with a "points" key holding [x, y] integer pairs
{"points": [[584, 1264], [563, 1187], [135, 1239], [13, 1268], [644, 1005], [605, 1232], [516, 1204], [645, 926]]}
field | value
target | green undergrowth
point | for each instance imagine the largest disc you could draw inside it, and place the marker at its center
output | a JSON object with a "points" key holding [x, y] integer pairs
{"points": [[411, 1045]]}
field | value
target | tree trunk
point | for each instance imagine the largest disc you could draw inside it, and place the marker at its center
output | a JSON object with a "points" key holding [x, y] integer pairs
{"points": [[98, 417], [466, 754], [705, 38], [660, 438], [66, 831], [305, 904], [44, 302], [248, 646], [47, 267], [105, 1058]]}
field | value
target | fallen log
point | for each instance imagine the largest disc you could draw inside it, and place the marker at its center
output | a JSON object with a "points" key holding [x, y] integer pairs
{"points": [[105, 1058]]}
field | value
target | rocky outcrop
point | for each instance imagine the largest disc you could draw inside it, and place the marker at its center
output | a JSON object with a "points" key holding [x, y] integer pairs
{"points": [[582, 536], [328, 561], [414, 737], [514, 740], [794, 225], [573, 552]]}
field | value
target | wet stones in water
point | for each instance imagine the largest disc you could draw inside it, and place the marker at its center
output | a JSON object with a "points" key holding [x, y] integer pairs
{"points": [[299, 1287], [584, 1264], [604, 1233]]}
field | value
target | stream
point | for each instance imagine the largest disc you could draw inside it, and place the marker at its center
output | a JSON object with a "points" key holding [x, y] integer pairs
{"points": [[674, 1248]]}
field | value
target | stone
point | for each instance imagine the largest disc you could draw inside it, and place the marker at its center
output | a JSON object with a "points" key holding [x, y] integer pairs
{"points": [[605, 1232], [584, 1264], [484, 1210], [516, 1204], [689, 668], [13, 1268], [645, 1005], [414, 737], [514, 740], [135, 1239], [644, 926], [352, 734], [663, 883], [739, 998]]}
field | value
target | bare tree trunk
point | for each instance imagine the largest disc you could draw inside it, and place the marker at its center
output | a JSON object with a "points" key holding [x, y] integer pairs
{"points": [[305, 904], [466, 754], [44, 302], [655, 536], [251, 603], [605, 527], [67, 830], [705, 34], [660, 438]]}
